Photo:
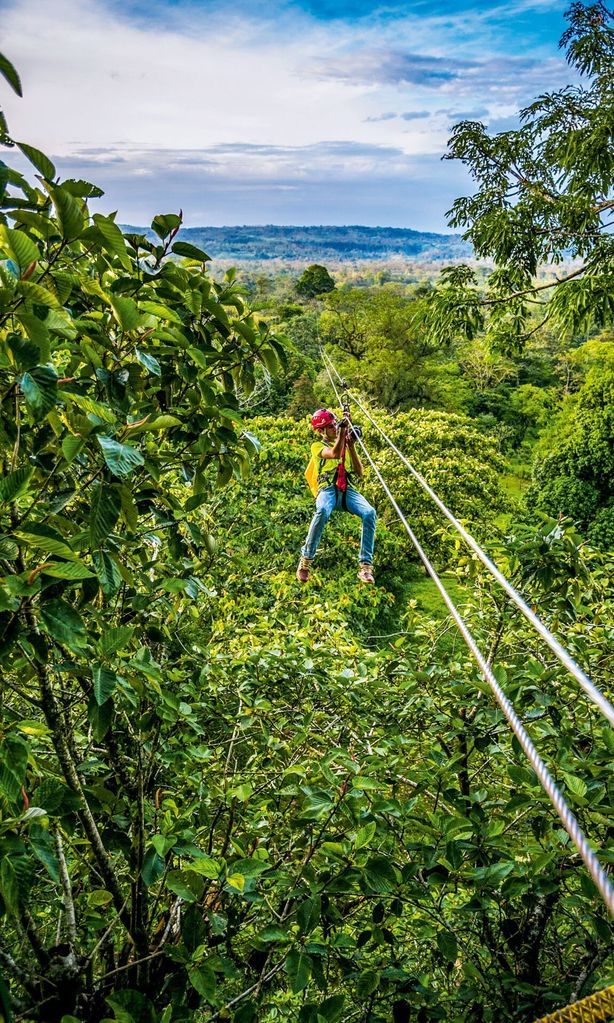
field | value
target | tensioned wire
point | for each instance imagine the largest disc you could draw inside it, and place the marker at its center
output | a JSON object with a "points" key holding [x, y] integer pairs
{"points": [[560, 652], [546, 780]]}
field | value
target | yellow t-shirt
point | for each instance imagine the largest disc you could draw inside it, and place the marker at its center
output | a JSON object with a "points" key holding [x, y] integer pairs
{"points": [[320, 471]]}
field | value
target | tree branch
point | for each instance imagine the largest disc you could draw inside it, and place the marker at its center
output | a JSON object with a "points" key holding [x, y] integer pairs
{"points": [[69, 905]]}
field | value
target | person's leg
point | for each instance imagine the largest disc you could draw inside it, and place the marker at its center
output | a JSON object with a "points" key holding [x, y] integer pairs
{"points": [[358, 505], [325, 503]]}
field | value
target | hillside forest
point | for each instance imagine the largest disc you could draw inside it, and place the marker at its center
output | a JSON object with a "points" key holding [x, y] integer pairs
{"points": [[225, 796]]}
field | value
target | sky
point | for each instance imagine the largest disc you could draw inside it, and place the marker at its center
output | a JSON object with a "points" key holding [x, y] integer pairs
{"points": [[308, 112]]}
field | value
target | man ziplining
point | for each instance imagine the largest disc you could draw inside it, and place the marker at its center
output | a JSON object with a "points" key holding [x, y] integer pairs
{"points": [[333, 466]]}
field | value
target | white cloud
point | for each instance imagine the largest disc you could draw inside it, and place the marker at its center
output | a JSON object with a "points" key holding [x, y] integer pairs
{"points": [[229, 103]]}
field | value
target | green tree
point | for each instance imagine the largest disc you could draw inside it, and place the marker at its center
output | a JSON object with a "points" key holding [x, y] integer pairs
{"points": [[573, 473], [383, 348], [314, 281], [545, 196]]}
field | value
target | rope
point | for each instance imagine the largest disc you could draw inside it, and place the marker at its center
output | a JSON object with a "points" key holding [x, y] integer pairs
{"points": [[595, 1008], [570, 823], [564, 657]]}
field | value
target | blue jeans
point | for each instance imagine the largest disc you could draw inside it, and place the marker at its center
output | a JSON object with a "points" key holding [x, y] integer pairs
{"points": [[330, 499]]}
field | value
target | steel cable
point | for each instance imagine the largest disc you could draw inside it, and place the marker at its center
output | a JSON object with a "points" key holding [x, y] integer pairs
{"points": [[589, 687], [546, 780]]}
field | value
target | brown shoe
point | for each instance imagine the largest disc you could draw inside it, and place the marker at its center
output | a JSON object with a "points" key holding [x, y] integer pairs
{"points": [[302, 572], [365, 572]]}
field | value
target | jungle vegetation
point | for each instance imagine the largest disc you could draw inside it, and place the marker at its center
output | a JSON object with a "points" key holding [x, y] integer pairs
{"points": [[226, 797]]}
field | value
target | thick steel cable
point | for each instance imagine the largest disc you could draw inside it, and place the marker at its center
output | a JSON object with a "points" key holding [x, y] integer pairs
{"points": [[589, 687], [546, 780]]}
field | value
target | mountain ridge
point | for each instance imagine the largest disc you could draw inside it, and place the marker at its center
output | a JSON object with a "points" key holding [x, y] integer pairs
{"points": [[321, 242]]}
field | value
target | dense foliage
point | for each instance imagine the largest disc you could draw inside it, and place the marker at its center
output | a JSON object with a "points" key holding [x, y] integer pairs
{"points": [[315, 280]]}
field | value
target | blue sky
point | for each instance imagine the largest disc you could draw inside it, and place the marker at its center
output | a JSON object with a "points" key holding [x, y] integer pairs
{"points": [[277, 112]]}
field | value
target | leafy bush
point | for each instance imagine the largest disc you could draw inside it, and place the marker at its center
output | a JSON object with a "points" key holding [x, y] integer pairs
{"points": [[601, 529]]}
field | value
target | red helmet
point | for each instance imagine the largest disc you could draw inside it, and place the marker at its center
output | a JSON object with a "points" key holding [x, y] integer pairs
{"points": [[322, 418]]}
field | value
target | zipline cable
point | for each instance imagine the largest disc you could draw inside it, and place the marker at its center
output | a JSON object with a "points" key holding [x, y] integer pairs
{"points": [[546, 780], [560, 652]]}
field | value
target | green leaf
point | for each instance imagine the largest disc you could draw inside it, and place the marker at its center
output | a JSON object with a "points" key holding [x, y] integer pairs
{"points": [[308, 914], [190, 251], [368, 982], [131, 1007], [10, 74], [298, 967], [71, 447], [43, 848], [68, 211], [108, 572], [575, 784], [100, 717], [331, 1009], [126, 312], [40, 389], [120, 458], [37, 331], [153, 867], [46, 539], [19, 247], [113, 238], [273, 933], [42, 163], [164, 223], [149, 362], [379, 875], [9, 886], [202, 978], [447, 945], [185, 883], [105, 509], [38, 294], [15, 484], [63, 623], [364, 835], [105, 682], [114, 639], [74, 570]]}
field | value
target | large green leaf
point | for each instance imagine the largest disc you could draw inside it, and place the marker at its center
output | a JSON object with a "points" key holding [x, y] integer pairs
{"points": [[108, 572], [46, 539], [69, 214], [105, 682], [120, 458], [40, 389], [132, 1007], [42, 163], [37, 294], [10, 74], [105, 510], [74, 570], [15, 484], [116, 638], [448, 945], [190, 251], [19, 247], [100, 717], [113, 238], [298, 967], [153, 867], [126, 312], [63, 623]]}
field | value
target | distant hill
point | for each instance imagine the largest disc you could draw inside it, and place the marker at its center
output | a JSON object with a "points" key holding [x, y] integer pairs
{"points": [[313, 244]]}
